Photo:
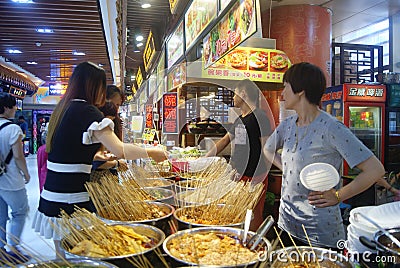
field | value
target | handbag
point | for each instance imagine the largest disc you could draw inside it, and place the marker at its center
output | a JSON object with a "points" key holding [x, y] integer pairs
{"points": [[4, 163]]}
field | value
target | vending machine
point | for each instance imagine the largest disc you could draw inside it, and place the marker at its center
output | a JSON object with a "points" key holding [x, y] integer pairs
{"points": [[361, 107]]}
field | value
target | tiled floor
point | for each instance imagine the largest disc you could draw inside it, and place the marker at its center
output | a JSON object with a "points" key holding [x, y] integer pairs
{"points": [[42, 249]]}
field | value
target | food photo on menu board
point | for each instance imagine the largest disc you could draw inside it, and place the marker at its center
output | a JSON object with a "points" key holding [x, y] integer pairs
{"points": [[259, 64], [237, 25]]}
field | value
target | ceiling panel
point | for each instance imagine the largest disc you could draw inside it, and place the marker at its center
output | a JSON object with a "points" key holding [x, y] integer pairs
{"points": [[77, 27]]}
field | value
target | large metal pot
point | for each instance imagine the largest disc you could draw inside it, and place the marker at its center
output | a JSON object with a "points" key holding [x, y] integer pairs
{"points": [[183, 225], [155, 234], [235, 233], [70, 263], [314, 257], [160, 222]]}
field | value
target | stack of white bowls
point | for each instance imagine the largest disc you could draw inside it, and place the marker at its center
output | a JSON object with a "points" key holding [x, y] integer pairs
{"points": [[386, 215]]}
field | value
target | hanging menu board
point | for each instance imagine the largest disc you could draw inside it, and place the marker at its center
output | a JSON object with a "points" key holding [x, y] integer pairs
{"points": [[175, 45], [149, 115], [170, 113], [197, 17], [235, 27], [256, 64], [177, 76]]}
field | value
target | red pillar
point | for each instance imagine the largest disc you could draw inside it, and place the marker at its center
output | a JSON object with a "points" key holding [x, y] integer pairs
{"points": [[303, 32]]}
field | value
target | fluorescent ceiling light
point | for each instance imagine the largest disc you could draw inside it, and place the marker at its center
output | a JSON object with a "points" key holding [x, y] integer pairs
{"points": [[31, 62], [139, 44], [44, 30], [23, 1], [136, 50], [77, 53], [146, 5], [139, 38], [14, 51], [133, 77], [101, 65]]}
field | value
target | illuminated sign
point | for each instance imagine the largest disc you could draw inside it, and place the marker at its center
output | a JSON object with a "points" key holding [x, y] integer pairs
{"points": [[149, 115], [177, 76], [170, 113], [172, 5], [357, 92], [149, 52], [256, 64], [139, 77], [57, 89], [175, 45], [17, 92], [235, 27]]}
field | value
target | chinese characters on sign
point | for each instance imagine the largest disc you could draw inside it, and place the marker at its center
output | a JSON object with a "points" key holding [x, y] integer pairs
{"points": [[355, 92], [170, 113], [149, 116]]}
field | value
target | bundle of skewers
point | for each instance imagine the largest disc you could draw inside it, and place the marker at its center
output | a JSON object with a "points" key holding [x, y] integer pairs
{"points": [[116, 201], [230, 209]]}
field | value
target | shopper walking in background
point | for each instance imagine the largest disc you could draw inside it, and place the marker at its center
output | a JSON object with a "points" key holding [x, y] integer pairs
{"points": [[312, 136], [247, 135], [115, 96], [14, 176], [76, 130], [23, 124]]}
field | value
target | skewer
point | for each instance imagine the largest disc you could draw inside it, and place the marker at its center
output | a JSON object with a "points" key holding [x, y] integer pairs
{"points": [[283, 246], [309, 242], [297, 249]]}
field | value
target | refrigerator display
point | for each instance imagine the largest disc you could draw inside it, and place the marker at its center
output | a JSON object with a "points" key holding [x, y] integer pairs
{"points": [[392, 133], [362, 109]]}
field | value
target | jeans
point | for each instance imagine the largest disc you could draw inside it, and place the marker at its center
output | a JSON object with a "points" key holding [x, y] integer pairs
{"points": [[18, 202]]}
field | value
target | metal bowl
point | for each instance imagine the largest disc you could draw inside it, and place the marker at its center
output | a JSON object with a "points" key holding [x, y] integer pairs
{"points": [[150, 231], [81, 263], [160, 222], [161, 195], [183, 225], [236, 233], [326, 258]]}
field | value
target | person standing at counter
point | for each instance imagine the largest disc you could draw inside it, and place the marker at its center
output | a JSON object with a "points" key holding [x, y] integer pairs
{"points": [[311, 136], [247, 135], [76, 130]]}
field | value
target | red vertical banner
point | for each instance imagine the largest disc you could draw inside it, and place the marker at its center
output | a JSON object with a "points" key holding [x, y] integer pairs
{"points": [[149, 116], [170, 113]]}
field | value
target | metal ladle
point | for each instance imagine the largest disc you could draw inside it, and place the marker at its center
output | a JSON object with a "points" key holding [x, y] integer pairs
{"points": [[261, 231]]}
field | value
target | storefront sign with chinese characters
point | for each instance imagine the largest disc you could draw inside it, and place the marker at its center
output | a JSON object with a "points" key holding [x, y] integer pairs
{"points": [[149, 115], [358, 92], [139, 77], [256, 64], [172, 5], [149, 52], [57, 89], [170, 113], [235, 27]]}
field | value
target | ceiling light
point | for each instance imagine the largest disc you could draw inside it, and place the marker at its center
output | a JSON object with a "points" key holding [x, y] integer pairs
{"points": [[14, 51], [136, 50], [31, 62], [146, 5], [133, 77], [101, 65], [139, 38], [44, 30], [23, 1], [139, 44], [77, 53]]}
